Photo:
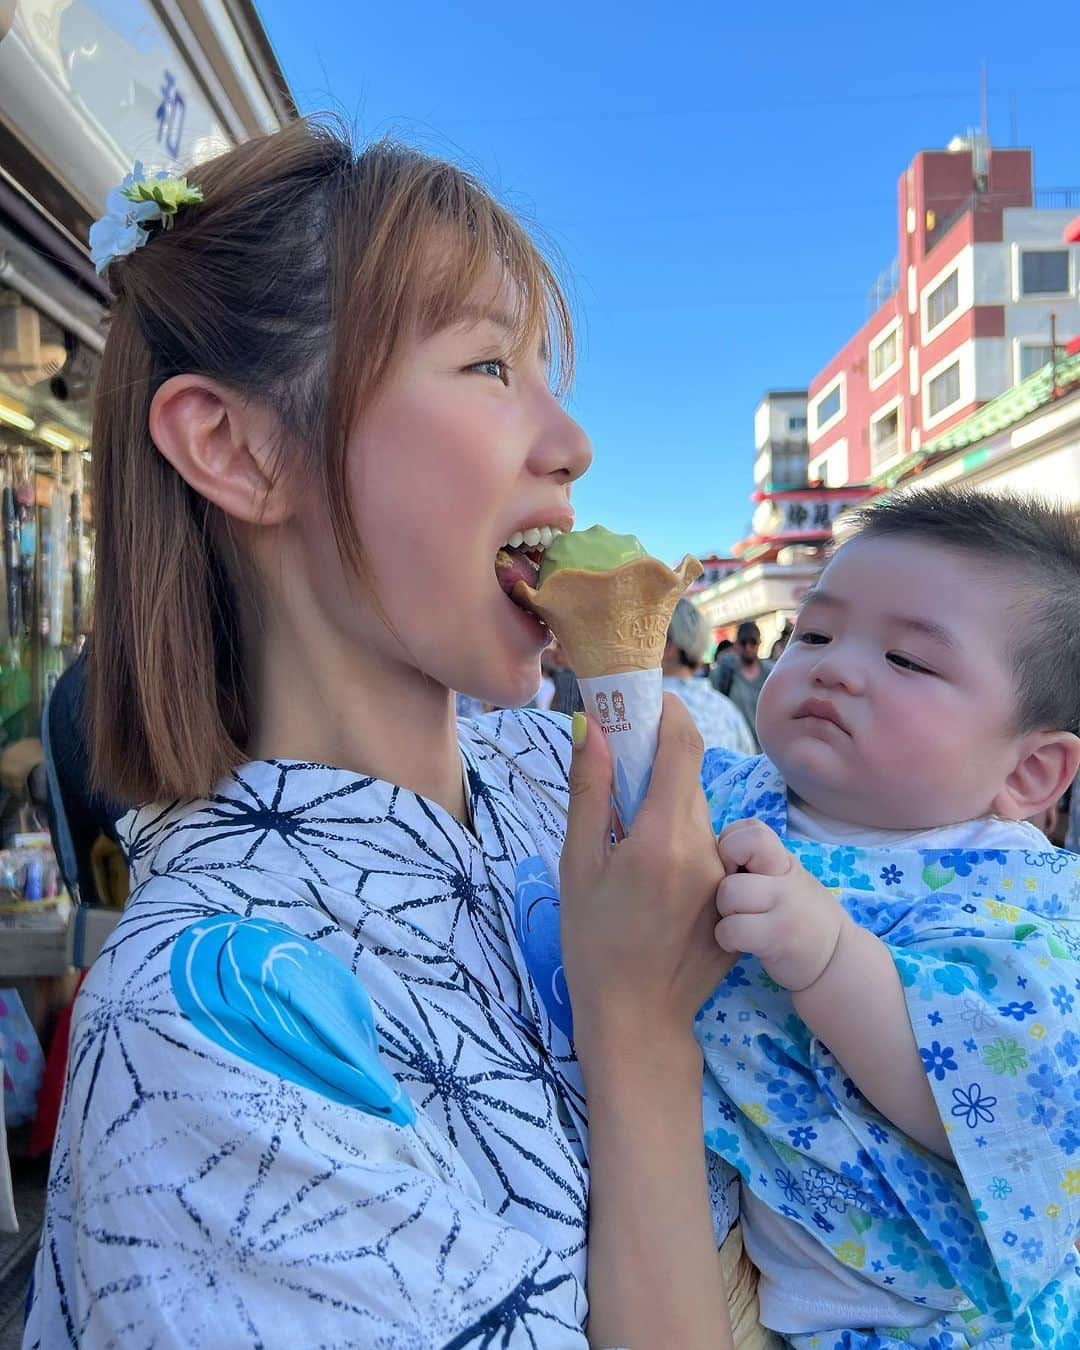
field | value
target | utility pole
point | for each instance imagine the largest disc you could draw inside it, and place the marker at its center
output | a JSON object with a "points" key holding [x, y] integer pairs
{"points": [[982, 82]]}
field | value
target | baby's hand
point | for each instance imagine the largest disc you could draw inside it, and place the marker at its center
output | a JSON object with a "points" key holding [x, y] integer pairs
{"points": [[770, 906]]}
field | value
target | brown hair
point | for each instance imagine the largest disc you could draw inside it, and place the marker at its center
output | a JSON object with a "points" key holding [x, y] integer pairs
{"points": [[294, 282], [1032, 545]]}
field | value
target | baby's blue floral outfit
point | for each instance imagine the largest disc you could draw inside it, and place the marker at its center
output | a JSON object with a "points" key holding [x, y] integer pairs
{"points": [[987, 945]]}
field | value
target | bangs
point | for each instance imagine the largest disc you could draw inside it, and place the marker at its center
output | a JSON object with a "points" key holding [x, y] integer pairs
{"points": [[412, 243], [435, 244]]}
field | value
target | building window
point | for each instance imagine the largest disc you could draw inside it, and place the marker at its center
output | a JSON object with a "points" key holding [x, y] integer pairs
{"points": [[942, 300], [1033, 359], [828, 407], [885, 438], [1044, 271], [885, 355], [796, 424], [944, 389]]}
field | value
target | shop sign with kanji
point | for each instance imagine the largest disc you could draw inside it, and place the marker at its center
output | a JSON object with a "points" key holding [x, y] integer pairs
{"points": [[807, 514]]}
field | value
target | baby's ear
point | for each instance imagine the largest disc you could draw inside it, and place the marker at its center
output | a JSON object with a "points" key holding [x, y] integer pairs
{"points": [[1046, 765]]}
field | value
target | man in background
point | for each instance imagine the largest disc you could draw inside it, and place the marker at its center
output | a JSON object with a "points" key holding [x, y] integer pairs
{"points": [[566, 697], [741, 674], [721, 724]]}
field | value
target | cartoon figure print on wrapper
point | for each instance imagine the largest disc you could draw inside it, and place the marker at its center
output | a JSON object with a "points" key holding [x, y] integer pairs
{"points": [[609, 603]]}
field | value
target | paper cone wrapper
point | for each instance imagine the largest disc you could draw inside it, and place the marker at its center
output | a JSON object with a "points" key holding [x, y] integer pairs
{"points": [[627, 709]]}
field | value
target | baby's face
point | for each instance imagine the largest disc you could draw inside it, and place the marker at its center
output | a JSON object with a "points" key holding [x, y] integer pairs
{"points": [[894, 703]]}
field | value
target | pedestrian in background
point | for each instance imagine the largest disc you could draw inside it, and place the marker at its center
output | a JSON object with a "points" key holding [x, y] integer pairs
{"points": [[721, 724], [556, 667], [777, 649], [740, 674]]}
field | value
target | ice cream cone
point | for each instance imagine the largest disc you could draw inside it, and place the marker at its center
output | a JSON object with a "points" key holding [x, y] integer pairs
{"points": [[614, 621]]}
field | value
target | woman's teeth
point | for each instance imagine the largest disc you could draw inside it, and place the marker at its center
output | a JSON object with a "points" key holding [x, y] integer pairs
{"points": [[537, 537]]}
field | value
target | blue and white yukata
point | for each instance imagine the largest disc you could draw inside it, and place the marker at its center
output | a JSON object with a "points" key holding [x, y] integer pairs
{"points": [[314, 1095], [987, 946]]}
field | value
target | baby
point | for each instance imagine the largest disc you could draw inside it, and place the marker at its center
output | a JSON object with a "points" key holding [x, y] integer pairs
{"points": [[893, 1067]]}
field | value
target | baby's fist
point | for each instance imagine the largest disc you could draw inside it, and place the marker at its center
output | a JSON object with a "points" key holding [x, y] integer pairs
{"points": [[770, 906]]}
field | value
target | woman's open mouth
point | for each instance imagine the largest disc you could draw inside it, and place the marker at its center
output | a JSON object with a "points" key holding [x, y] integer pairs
{"points": [[520, 556]]}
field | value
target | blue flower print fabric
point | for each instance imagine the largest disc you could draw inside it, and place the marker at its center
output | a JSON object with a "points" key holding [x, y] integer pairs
{"points": [[987, 946]]}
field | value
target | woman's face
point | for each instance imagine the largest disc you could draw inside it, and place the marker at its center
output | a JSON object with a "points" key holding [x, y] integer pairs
{"points": [[462, 447]]}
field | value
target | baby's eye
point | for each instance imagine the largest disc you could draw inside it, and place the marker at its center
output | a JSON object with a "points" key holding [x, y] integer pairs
{"points": [[496, 367], [906, 663], [813, 639]]}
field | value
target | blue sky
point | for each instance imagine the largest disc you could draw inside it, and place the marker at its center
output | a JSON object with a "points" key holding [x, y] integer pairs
{"points": [[720, 181]]}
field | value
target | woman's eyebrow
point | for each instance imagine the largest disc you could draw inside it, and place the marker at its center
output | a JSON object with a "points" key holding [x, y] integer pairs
{"points": [[473, 313]]}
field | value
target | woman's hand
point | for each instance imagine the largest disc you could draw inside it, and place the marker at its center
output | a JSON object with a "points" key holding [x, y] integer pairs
{"points": [[637, 916], [640, 958]]}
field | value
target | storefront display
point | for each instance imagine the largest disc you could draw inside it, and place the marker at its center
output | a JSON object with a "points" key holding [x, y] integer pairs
{"points": [[46, 381]]}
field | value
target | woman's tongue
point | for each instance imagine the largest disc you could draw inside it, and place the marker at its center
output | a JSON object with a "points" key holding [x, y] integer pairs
{"points": [[516, 564]]}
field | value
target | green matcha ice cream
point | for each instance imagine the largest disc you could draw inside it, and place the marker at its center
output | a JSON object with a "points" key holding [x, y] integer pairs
{"points": [[591, 550]]}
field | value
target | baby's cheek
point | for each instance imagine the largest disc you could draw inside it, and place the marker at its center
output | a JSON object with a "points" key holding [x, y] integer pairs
{"points": [[768, 719]]}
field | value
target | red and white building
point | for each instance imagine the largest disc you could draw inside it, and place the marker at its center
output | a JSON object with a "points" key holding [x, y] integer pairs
{"points": [[964, 314]]}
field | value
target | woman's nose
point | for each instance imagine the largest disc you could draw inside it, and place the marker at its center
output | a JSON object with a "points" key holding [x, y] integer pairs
{"points": [[562, 447], [579, 453]]}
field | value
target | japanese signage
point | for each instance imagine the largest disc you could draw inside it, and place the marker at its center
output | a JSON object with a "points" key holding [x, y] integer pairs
{"points": [[94, 85], [714, 570], [784, 517]]}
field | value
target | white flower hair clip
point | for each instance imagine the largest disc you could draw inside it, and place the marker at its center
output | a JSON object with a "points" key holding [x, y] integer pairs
{"points": [[132, 208]]}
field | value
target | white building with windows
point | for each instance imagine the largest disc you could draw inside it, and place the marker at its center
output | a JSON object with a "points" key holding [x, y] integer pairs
{"points": [[984, 282]]}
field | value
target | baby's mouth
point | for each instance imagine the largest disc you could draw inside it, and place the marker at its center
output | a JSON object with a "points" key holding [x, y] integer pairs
{"points": [[520, 557]]}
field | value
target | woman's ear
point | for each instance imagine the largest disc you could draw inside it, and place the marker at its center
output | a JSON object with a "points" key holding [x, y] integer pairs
{"points": [[222, 445], [1047, 764]]}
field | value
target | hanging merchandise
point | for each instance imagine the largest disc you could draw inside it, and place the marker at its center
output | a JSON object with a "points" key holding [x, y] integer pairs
{"points": [[58, 554], [16, 719], [11, 561], [75, 547], [26, 514]]}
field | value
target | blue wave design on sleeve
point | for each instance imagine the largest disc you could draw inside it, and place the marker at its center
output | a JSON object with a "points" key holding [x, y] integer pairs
{"points": [[536, 923], [279, 1001]]}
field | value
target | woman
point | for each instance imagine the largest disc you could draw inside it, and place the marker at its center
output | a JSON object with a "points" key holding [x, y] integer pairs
{"points": [[314, 1095], [721, 724]]}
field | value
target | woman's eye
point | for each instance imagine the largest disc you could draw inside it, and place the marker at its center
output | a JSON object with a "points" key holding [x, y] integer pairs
{"points": [[495, 367], [813, 639], [906, 663]]}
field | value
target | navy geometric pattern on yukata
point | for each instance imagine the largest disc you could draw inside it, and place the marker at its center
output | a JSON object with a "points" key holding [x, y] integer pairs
{"points": [[199, 1199]]}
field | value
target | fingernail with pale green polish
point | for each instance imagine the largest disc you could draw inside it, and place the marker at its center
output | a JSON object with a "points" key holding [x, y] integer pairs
{"points": [[579, 728]]}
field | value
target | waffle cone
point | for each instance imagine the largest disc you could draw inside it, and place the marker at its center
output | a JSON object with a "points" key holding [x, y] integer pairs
{"points": [[614, 621]]}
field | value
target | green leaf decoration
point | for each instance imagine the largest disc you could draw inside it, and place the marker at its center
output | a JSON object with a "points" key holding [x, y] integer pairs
{"points": [[168, 193], [860, 1222], [935, 876]]}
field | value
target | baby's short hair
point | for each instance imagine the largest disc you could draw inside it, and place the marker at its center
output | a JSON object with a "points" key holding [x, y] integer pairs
{"points": [[1036, 545]]}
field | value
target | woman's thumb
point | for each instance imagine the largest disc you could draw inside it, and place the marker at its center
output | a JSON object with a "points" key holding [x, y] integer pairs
{"points": [[588, 824]]}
